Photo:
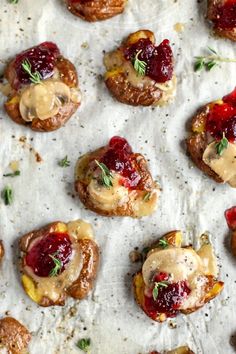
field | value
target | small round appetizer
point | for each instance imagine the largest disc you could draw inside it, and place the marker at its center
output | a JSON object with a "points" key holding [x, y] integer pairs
{"points": [[212, 143], [176, 279], [223, 15], [58, 261], [14, 337], [1, 250], [43, 88], [180, 350], [114, 181], [96, 10], [140, 73], [230, 215]]}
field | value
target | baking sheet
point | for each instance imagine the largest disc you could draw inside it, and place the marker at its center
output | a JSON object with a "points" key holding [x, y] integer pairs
{"points": [[44, 191]]}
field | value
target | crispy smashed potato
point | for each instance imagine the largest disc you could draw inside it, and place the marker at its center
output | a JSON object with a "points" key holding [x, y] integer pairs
{"points": [[212, 287], [128, 87], [13, 336], [96, 10], [212, 15], [76, 288]]}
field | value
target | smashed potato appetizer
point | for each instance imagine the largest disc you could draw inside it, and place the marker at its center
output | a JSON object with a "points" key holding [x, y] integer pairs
{"points": [[211, 144], [180, 350], [140, 73], [114, 181], [230, 215], [43, 88], [222, 13], [176, 279], [96, 10], [58, 261], [14, 337]]}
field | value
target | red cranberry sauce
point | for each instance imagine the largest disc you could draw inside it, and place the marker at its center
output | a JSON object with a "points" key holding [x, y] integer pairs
{"points": [[230, 215], [159, 59], [42, 59], [222, 118], [226, 15], [169, 298], [39, 257], [119, 158]]}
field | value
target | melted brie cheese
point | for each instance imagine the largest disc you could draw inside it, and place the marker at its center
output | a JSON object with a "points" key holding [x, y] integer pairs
{"points": [[225, 165], [182, 264]]}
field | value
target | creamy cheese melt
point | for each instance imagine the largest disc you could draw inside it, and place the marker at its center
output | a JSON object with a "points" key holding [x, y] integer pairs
{"points": [[225, 165]]}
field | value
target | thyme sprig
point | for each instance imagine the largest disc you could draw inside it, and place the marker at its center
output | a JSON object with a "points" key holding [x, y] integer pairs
{"points": [[210, 61], [13, 174], [84, 344], [157, 286], [57, 265], [34, 77], [163, 243], [7, 195], [222, 145], [106, 176], [139, 65], [64, 162], [13, 1]]}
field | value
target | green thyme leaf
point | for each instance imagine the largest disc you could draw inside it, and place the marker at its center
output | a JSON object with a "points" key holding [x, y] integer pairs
{"points": [[57, 265], [84, 344], [34, 77], [157, 286], [106, 176], [14, 1], [163, 243], [14, 174], [199, 64], [139, 65], [146, 197], [210, 64], [7, 195], [64, 162], [222, 145]]}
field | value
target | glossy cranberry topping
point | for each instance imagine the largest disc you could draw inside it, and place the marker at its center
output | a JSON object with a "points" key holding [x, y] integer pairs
{"points": [[159, 59], [222, 118], [230, 215], [39, 258], [226, 15], [42, 59], [119, 158], [168, 301]]}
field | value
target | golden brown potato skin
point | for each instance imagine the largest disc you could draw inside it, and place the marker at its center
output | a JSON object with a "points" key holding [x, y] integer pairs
{"points": [[2, 252], [68, 75], [146, 183], [80, 288], [96, 10], [197, 143], [13, 335], [212, 288], [122, 89], [212, 16]]}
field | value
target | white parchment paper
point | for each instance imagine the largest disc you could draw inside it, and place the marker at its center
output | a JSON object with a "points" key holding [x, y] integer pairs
{"points": [[43, 193]]}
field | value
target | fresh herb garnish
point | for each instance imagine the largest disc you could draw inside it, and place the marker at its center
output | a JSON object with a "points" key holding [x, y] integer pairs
{"points": [[64, 162], [14, 1], [34, 77], [222, 145], [14, 174], [157, 286], [57, 265], [139, 65], [106, 177], [84, 344], [7, 195], [163, 243], [209, 61], [146, 197]]}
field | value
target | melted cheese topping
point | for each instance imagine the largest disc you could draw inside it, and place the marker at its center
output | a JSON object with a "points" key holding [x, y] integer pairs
{"points": [[53, 287], [225, 165], [44, 100], [182, 264]]}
